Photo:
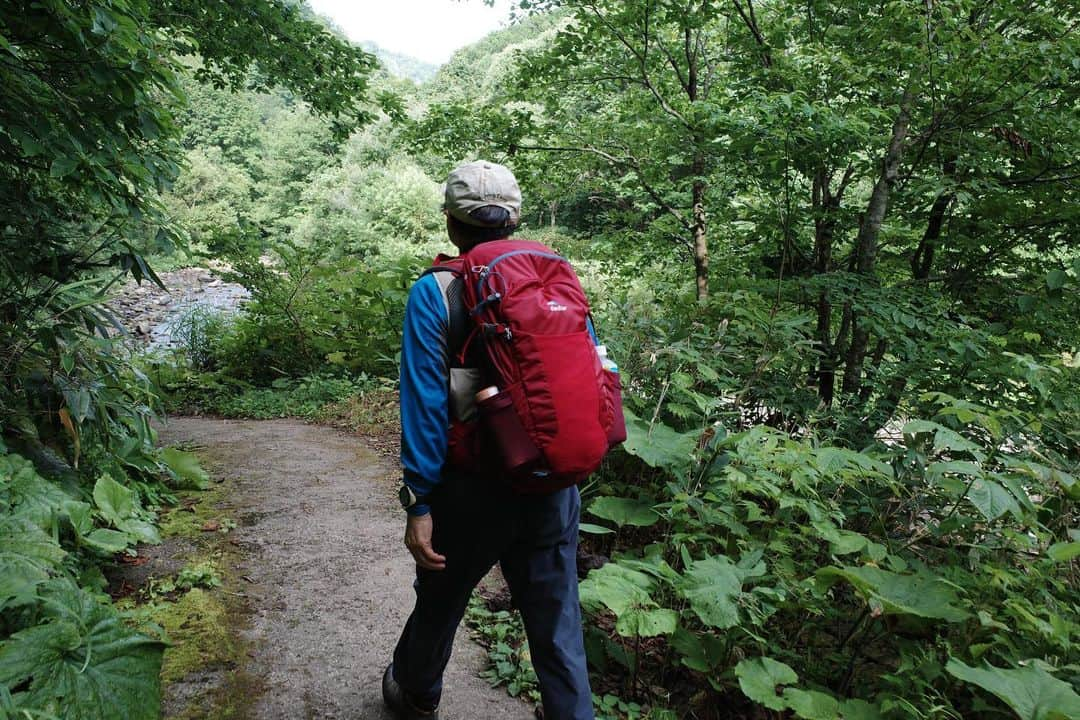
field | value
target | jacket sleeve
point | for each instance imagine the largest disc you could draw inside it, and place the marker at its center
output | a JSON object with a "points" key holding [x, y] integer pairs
{"points": [[424, 387]]}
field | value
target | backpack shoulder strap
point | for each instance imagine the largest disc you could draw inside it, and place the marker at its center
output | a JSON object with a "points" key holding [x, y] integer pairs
{"points": [[452, 288]]}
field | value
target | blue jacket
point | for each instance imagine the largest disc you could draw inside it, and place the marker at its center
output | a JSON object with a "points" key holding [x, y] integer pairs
{"points": [[425, 414]]}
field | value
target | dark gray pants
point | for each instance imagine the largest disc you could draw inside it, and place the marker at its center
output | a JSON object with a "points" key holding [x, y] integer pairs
{"points": [[534, 539]]}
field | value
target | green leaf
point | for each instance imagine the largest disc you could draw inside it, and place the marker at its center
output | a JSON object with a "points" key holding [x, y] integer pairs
{"points": [[992, 500], [759, 678], [624, 511], [841, 542], [1055, 279], [594, 529], [1063, 551], [647, 622], [115, 502], [920, 594], [659, 446], [811, 704], [28, 557], [185, 466], [936, 470], [712, 586], [944, 438], [700, 651], [141, 531], [82, 662], [617, 588], [32, 496], [118, 505], [62, 166], [816, 705], [856, 709], [108, 541], [1030, 691], [79, 514]]}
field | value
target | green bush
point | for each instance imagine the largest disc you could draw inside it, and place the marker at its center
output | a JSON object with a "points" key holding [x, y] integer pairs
{"points": [[201, 334], [834, 583], [307, 312]]}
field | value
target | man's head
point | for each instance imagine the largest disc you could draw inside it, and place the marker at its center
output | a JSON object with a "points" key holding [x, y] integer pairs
{"points": [[482, 202]]}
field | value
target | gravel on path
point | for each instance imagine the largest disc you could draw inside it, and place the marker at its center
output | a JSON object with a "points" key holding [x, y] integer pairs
{"points": [[320, 531]]}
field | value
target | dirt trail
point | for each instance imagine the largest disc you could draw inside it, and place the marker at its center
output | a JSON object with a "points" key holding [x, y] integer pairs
{"points": [[319, 535]]}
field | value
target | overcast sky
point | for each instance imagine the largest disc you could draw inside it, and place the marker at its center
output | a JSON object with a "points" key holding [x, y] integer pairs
{"points": [[430, 30]]}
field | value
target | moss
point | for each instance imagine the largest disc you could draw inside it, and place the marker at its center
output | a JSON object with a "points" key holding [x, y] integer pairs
{"points": [[194, 509], [232, 700], [200, 632], [205, 661]]}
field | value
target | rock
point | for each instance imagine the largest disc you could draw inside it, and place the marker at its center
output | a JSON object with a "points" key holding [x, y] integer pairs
{"points": [[142, 328]]}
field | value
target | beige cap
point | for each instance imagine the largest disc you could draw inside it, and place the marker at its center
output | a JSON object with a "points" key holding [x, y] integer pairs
{"points": [[479, 184]]}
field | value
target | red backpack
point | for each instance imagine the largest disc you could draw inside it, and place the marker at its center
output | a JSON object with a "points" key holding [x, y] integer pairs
{"points": [[558, 409]]}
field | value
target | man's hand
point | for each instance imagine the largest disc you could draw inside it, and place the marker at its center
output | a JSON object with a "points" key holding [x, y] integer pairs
{"points": [[418, 540]]}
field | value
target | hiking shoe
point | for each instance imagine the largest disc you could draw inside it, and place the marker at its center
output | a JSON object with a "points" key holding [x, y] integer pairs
{"points": [[398, 700]]}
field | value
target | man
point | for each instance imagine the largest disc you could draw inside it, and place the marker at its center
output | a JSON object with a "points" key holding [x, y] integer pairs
{"points": [[460, 522]]}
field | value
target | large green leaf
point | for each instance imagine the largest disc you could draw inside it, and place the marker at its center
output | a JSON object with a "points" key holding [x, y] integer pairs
{"points": [[1030, 691], [659, 446], [700, 651], [991, 499], [616, 588], [185, 466], [1063, 551], [944, 438], [82, 662], [647, 622], [32, 496], [120, 507], [103, 539], [627, 593], [1055, 279], [107, 541], [917, 594], [115, 502], [712, 586], [759, 678], [624, 511], [811, 704], [816, 705], [141, 530], [28, 557]]}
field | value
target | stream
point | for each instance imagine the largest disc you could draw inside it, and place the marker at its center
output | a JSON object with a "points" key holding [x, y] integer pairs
{"points": [[152, 316]]}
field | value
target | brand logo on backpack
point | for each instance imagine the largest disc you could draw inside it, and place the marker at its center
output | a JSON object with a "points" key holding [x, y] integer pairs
{"points": [[556, 307]]}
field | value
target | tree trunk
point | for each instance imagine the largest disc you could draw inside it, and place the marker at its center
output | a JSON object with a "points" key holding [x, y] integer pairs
{"points": [[701, 248], [866, 243], [824, 224], [923, 258]]}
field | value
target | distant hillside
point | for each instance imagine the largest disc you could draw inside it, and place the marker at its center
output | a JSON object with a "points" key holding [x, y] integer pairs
{"points": [[402, 65], [478, 71]]}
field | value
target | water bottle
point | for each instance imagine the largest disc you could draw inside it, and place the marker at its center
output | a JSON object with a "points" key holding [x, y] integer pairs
{"points": [[606, 362], [519, 453], [613, 387]]}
